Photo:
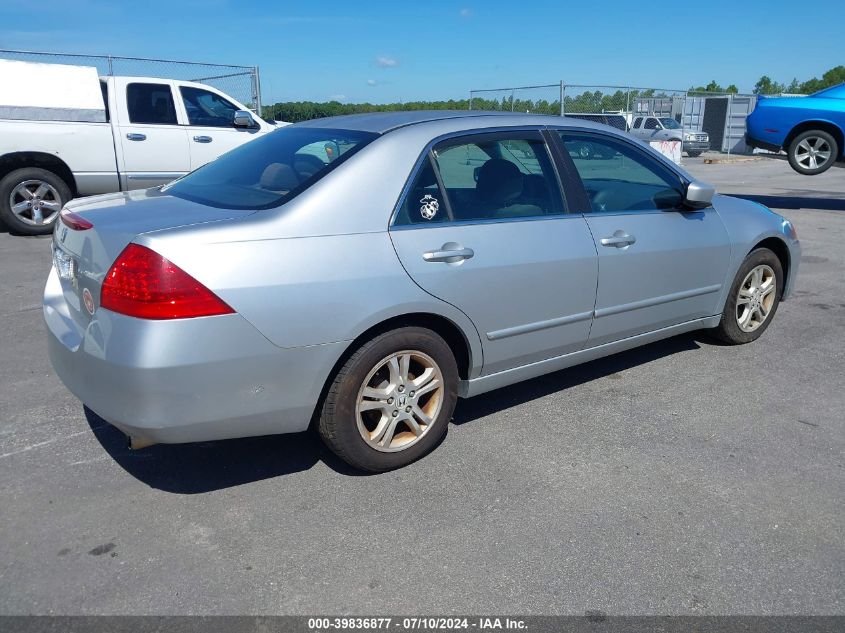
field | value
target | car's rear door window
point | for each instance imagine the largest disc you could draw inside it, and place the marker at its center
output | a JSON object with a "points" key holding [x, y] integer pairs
{"points": [[151, 103], [484, 177]]}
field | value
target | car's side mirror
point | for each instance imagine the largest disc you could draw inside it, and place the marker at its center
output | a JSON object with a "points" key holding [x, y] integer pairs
{"points": [[699, 195], [243, 118]]}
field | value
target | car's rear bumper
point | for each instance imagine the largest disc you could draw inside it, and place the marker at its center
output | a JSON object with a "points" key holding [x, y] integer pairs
{"points": [[185, 380], [753, 142]]}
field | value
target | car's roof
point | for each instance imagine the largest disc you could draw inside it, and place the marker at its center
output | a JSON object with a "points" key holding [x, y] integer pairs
{"points": [[382, 122]]}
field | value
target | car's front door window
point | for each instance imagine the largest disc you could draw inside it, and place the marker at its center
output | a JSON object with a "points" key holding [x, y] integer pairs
{"points": [[619, 177], [207, 109]]}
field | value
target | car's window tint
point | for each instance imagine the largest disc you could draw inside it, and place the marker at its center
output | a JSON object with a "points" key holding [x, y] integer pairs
{"points": [[150, 103], [206, 108], [270, 170], [620, 177], [638, 121], [651, 124], [498, 178]]}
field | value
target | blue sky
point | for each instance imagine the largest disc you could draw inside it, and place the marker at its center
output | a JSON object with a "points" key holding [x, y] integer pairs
{"points": [[390, 51]]}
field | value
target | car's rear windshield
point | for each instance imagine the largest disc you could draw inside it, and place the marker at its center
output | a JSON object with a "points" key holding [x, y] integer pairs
{"points": [[270, 170]]}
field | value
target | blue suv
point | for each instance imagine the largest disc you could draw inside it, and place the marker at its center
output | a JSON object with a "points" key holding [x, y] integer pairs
{"points": [[810, 129]]}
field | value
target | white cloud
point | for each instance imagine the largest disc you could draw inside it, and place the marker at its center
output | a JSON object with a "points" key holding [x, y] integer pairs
{"points": [[371, 82], [386, 62], [466, 13], [337, 98]]}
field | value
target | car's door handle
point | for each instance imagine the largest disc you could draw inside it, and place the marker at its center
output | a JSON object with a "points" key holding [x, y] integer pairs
{"points": [[620, 239], [450, 253], [135, 136], [202, 139]]}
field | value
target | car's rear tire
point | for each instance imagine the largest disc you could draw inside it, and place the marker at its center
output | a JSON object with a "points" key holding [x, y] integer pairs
{"points": [[753, 298], [813, 152], [392, 400], [31, 199], [694, 154]]}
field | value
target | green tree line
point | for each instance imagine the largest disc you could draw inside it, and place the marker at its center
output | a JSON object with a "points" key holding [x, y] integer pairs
{"points": [[833, 77], [587, 101]]}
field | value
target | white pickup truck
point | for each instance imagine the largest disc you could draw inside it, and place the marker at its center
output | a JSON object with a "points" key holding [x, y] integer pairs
{"points": [[654, 128], [89, 135]]}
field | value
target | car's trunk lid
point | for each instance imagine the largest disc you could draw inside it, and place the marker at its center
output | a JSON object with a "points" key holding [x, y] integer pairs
{"points": [[83, 257]]}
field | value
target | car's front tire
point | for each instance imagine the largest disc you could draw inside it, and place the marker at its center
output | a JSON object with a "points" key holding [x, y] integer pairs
{"points": [[813, 152], [753, 298], [392, 400], [694, 154]]}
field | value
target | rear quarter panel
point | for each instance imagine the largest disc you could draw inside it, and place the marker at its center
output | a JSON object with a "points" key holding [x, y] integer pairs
{"points": [[306, 290], [86, 148], [775, 118]]}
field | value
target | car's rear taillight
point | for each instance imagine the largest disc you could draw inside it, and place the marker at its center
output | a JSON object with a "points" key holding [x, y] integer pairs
{"points": [[74, 221], [143, 284]]}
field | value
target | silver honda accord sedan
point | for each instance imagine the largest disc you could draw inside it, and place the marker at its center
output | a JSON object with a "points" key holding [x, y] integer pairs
{"points": [[358, 274]]}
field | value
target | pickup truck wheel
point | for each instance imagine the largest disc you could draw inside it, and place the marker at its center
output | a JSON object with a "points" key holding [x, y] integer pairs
{"points": [[812, 152], [392, 400], [31, 199], [694, 154]]}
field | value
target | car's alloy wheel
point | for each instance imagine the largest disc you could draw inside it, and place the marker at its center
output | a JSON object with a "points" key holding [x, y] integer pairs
{"points": [[31, 200], [399, 400], [813, 152], [391, 401], [35, 202], [755, 298]]}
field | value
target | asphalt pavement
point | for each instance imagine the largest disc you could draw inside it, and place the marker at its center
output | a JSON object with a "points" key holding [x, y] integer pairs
{"points": [[685, 477]]}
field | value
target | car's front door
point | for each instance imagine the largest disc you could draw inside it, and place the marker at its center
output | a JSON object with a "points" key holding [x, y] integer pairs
{"points": [[211, 130], [660, 264], [154, 147], [482, 226]]}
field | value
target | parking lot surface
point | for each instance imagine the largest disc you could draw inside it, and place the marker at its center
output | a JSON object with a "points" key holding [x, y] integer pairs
{"points": [[682, 477]]}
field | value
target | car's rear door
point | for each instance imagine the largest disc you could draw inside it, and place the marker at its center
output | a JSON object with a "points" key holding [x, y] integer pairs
{"points": [[152, 145], [482, 226], [659, 263]]}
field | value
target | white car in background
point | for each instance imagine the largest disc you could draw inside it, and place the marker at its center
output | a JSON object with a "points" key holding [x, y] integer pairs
{"points": [[89, 135]]}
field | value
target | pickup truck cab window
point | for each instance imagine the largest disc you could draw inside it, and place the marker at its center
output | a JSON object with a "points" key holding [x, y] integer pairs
{"points": [[207, 109], [651, 124], [150, 103]]}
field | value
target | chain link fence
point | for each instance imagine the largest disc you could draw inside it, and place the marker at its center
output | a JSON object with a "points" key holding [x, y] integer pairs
{"points": [[720, 115], [241, 82], [527, 99]]}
